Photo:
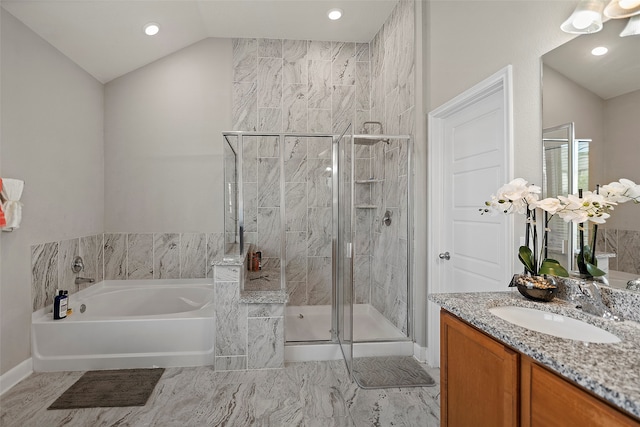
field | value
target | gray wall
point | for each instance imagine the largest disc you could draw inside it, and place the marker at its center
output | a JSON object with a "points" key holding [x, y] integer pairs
{"points": [[163, 143], [52, 125]]}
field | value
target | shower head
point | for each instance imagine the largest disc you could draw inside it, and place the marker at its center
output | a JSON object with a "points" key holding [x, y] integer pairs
{"points": [[366, 139]]}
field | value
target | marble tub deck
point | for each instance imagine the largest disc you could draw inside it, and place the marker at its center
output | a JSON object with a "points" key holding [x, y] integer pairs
{"points": [[301, 394]]}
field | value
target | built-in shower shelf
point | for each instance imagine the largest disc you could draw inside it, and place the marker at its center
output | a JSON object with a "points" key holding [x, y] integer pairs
{"points": [[368, 181], [366, 207]]}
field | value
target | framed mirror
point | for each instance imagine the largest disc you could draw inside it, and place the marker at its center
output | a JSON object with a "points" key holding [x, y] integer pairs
{"points": [[596, 100]]}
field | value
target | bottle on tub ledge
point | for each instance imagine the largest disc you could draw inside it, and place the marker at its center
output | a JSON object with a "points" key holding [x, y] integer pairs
{"points": [[255, 261], [60, 304]]}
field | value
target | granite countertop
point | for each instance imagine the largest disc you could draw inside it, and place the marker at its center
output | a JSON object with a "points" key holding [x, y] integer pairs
{"points": [[611, 371]]}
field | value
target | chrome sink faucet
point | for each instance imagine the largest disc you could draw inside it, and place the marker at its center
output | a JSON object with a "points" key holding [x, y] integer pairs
{"points": [[634, 284], [587, 296]]}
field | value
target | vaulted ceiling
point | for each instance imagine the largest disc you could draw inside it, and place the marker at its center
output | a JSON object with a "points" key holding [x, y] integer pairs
{"points": [[105, 37]]}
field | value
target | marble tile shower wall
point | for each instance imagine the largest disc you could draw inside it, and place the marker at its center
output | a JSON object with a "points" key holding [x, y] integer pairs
{"points": [[393, 100], [296, 86], [625, 244], [316, 86], [121, 256]]}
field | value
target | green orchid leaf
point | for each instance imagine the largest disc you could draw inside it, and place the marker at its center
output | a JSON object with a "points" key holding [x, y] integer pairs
{"points": [[593, 270], [553, 267], [526, 258]]}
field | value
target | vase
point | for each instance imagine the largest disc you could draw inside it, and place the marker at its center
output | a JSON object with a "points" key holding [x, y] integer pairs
{"points": [[536, 288]]}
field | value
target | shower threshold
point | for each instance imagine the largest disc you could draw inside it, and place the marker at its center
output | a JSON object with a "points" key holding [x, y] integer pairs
{"points": [[308, 335]]}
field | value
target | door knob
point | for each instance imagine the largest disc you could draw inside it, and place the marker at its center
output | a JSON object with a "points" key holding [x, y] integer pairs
{"points": [[445, 255]]}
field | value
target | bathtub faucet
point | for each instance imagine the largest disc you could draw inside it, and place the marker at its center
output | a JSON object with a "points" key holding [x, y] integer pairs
{"points": [[81, 280]]}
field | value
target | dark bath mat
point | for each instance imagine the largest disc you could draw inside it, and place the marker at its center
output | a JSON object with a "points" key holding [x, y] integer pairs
{"points": [[389, 372], [122, 387]]}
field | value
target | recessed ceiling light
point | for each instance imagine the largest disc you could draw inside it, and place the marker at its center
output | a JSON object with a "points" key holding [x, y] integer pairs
{"points": [[599, 51], [151, 29], [334, 14]]}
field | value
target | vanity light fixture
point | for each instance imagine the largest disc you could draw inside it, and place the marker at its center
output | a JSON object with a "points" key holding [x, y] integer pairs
{"points": [[587, 17], [617, 9], [599, 51], [334, 14], [151, 29], [632, 28]]}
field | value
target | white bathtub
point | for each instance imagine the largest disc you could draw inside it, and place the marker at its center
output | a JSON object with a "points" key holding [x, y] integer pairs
{"points": [[128, 324]]}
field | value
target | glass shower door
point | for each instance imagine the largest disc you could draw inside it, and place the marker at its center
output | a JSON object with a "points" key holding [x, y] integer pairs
{"points": [[343, 155]]}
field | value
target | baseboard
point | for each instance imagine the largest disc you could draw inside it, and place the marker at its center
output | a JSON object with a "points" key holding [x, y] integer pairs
{"points": [[420, 353], [15, 375]]}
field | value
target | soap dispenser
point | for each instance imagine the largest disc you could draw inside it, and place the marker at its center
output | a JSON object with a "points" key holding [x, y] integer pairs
{"points": [[60, 306]]}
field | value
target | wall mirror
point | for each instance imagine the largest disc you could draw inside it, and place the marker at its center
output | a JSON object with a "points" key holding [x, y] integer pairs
{"points": [[591, 135]]}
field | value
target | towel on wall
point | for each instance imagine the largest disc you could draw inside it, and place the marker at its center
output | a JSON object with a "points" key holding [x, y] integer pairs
{"points": [[11, 205], [3, 220]]}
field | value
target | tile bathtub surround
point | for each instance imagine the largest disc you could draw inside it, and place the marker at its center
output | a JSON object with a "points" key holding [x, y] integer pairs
{"points": [[306, 394], [121, 256], [51, 267]]}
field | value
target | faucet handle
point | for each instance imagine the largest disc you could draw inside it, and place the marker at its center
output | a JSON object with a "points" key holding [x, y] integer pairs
{"points": [[77, 265]]}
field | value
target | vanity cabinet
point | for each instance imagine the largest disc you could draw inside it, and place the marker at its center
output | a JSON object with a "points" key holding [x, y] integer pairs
{"points": [[486, 383], [478, 377], [549, 400]]}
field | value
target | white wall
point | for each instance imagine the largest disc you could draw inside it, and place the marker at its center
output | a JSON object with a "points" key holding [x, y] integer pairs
{"points": [[52, 138], [471, 40], [622, 149], [163, 142]]}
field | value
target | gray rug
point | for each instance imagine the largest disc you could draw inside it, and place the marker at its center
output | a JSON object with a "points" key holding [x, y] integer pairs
{"points": [[390, 372], [123, 387]]}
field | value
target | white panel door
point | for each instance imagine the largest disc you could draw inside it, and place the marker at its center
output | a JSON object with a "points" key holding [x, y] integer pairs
{"points": [[473, 168], [470, 139]]}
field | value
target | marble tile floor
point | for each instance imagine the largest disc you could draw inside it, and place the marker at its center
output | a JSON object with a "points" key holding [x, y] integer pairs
{"points": [[302, 394]]}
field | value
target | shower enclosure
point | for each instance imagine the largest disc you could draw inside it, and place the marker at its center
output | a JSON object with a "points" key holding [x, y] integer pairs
{"points": [[330, 216]]}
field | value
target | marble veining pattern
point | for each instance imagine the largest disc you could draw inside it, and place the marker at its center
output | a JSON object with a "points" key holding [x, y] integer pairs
{"points": [[44, 274], [89, 249], [166, 256], [193, 255], [140, 256], [115, 256], [319, 280], [265, 347], [67, 251], [608, 370], [269, 82], [269, 232], [245, 60], [230, 320], [244, 112], [296, 67], [305, 394]]}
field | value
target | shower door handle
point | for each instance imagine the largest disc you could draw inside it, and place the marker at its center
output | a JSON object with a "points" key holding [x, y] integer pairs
{"points": [[445, 255]]}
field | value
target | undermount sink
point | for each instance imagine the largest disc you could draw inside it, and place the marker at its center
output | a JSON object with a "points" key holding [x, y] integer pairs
{"points": [[554, 324]]}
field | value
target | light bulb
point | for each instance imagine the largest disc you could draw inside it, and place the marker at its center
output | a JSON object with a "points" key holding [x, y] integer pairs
{"points": [[151, 29], [584, 19], [629, 4]]}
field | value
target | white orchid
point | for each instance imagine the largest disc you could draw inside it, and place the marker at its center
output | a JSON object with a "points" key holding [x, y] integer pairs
{"points": [[514, 196], [521, 197], [622, 191], [590, 207], [550, 205]]}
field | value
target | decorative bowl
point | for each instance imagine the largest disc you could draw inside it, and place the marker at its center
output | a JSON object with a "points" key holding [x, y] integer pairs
{"points": [[536, 288]]}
